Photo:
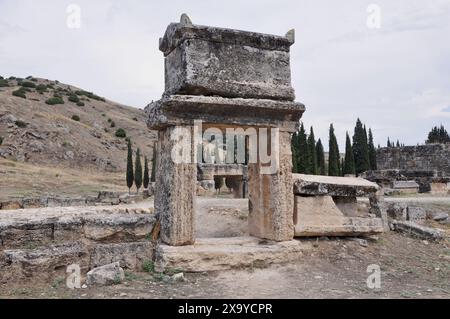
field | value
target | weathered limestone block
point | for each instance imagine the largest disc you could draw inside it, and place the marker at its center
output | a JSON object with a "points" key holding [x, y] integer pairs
{"points": [[43, 263], [204, 60], [185, 109], [378, 208], [106, 275], [175, 191], [333, 186], [42, 227], [319, 216], [215, 254], [420, 231], [129, 255], [118, 227], [271, 200], [397, 211], [416, 213]]}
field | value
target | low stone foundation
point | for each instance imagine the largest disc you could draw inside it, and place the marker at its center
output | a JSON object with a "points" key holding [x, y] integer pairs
{"points": [[41, 243]]}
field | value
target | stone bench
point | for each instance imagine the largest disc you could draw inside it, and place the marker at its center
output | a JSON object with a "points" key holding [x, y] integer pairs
{"points": [[328, 206]]}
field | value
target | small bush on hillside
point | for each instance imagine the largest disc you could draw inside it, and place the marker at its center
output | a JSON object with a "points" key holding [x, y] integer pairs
{"points": [[20, 93], [12, 77], [80, 103], [113, 124], [73, 98], [41, 88], [109, 120], [135, 119], [27, 84], [121, 133], [21, 124], [1, 140], [3, 83], [76, 118], [90, 95], [54, 101]]}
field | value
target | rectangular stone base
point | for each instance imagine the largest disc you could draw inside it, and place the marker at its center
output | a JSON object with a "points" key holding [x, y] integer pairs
{"points": [[214, 254], [319, 216]]}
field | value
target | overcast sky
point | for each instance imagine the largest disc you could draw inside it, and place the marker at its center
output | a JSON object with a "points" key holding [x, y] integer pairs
{"points": [[396, 78]]}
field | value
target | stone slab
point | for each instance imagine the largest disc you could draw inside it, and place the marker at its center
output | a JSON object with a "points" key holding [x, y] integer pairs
{"points": [[215, 254], [411, 228], [185, 109], [333, 186], [319, 216]]}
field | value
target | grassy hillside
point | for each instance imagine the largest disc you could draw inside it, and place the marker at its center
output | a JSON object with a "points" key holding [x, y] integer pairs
{"points": [[47, 126]]}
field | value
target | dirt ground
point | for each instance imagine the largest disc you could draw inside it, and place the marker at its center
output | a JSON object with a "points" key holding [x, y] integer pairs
{"points": [[333, 268]]}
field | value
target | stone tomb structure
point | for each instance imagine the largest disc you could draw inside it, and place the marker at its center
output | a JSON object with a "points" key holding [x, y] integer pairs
{"points": [[226, 79]]}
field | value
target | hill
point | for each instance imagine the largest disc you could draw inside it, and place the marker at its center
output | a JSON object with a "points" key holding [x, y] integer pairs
{"points": [[49, 126]]}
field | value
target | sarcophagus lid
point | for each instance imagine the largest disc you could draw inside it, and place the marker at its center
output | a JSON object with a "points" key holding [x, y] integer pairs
{"points": [[210, 61]]}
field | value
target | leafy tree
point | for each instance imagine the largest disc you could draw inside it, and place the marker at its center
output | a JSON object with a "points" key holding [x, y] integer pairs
{"points": [[360, 149], [130, 173], [312, 156], [138, 171], [349, 161], [320, 158], [333, 155], [372, 152], [146, 174]]}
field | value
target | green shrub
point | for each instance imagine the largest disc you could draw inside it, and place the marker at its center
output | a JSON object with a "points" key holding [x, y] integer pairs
{"points": [[54, 101], [3, 83], [73, 98], [33, 79], [90, 95], [27, 84], [41, 88], [76, 118], [12, 77], [121, 133], [20, 93], [113, 124], [80, 103], [148, 266], [135, 119], [1, 140], [1, 77], [109, 120], [21, 124]]}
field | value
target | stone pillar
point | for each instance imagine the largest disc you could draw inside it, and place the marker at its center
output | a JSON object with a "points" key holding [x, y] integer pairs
{"points": [[271, 197], [175, 191], [378, 208]]}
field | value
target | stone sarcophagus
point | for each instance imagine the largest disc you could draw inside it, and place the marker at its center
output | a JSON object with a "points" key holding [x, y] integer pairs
{"points": [[208, 61], [225, 79]]}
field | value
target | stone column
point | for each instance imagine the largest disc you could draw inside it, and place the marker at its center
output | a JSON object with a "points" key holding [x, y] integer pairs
{"points": [[271, 197], [175, 190]]}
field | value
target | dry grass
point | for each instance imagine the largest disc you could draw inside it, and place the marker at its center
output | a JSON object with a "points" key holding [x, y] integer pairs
{"points": [[27, 180]]}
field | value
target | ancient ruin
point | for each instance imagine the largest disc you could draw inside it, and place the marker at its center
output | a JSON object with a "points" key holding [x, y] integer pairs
{"points": [[206, 81]]}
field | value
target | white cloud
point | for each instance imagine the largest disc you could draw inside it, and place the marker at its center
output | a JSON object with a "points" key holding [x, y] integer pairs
{"points": [[394, 78]]}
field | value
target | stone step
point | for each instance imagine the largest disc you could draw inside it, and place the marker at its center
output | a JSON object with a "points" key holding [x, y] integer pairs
{"points": [[214, 254]]}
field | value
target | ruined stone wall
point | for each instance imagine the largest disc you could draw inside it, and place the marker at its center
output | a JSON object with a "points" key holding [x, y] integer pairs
{"points": [[432, 157]]}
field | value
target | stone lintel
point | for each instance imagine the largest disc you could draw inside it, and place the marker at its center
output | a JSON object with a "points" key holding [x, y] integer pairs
{"points": [[185, 109], [333, 186]]}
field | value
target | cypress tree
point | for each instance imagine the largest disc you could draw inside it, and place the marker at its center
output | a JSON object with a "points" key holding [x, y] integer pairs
{"points": [[302, 159], [320, 158], [349, 162], [312, 156], [130, 174], [372, 152], [146, 175], [153, 176], [388, 142], [360, 149], [333, 156], [138, 171], [294, 147]]}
